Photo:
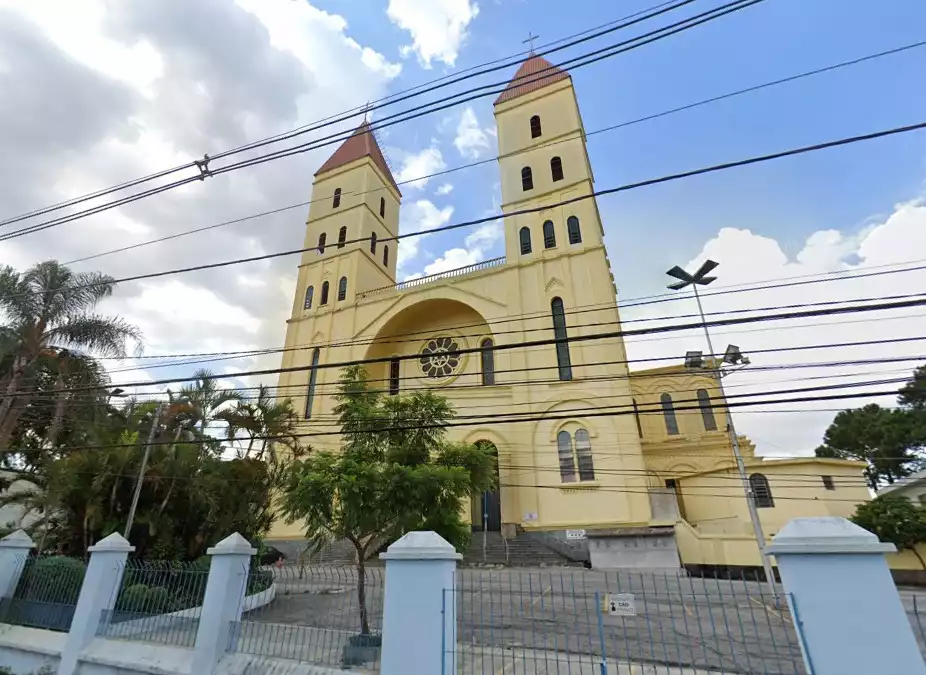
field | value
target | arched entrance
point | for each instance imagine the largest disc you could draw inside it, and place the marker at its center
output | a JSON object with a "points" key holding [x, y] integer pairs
{"points": [[487, 507]]}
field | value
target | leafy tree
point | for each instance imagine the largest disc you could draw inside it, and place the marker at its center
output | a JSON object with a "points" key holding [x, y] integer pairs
{"points": [[889, 441], [395, 473], [262, 418], [894, 519], [913, 393], [205, 399], [48, 315]]}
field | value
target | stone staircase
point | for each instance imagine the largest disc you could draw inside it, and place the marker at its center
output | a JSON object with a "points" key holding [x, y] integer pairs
{"points": [[522, 551]]}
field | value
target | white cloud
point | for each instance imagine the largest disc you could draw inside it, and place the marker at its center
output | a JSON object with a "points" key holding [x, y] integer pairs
{"points": [[471, 140], [451, 260], [424, 163], [437, 27], [419, 216], [747, 257], [444, 189]]}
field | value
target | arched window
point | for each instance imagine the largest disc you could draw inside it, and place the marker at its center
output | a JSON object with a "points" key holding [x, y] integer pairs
{"points": [[556, 168], [321, 243], [567, 464], [668, 412], [394, 377], [707, 412], [487, 353], [761, 491], [309, 292], [524, 236], [549, 235], [559, 332], [324, 300], [373, 243], [527, 179], [386, 256], [636, 417], [342, 288], [382, 207], [584, 455], [572, 226], [342, 236], [535, 126], [337, 199], [313, 375]]}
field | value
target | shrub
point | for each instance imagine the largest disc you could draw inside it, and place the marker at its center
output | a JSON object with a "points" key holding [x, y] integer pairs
{"points": [[133, 598], [56, 579]]}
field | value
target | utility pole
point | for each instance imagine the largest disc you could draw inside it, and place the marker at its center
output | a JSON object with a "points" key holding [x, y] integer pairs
{"points": [[141, 471], [700, 278]]}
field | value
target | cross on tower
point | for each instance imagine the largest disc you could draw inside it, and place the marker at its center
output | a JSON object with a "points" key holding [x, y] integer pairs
{"points": [[530, 40], [366, 112]]}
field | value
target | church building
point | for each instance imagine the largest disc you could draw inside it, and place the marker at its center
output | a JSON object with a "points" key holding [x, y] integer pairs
{"points": [[617, 467]]}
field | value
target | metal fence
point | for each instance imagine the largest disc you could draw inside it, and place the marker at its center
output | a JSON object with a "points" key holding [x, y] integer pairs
{"points": [[914, 602], [328, 615], [574, 622], [46, 594], [158, 601]]}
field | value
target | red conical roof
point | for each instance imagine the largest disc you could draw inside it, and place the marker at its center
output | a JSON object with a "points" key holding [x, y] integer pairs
{"points": [[535, 73], [362, 143]]}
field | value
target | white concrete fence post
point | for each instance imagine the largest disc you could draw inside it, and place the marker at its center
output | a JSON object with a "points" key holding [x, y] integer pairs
{"points": [[97, 595], [14, 550], [419, 607], [849, 615], [223, 601]]}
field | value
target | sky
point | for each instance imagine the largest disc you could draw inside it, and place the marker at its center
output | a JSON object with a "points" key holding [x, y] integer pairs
{"points": [[113, 90]]}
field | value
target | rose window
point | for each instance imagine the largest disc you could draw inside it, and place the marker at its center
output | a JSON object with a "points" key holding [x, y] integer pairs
{"points": [[438, 358]]}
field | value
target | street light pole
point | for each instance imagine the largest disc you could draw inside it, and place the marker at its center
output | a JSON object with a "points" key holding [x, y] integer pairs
{"points": [[700, 278], [141, 471]]}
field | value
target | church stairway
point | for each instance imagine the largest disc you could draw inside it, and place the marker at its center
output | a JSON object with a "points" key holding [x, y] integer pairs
{"points": [[520, 551]]}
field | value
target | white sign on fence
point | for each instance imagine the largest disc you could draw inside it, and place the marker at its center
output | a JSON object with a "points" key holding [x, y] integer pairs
{"points": [[621, 604], [575, 534]]}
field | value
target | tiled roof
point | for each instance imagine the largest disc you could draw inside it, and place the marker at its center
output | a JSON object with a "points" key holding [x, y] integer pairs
{"points": [[362, 143], [535, 73]]}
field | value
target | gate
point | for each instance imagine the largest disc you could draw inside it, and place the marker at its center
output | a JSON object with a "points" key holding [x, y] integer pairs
{"points": [[575, 622]]}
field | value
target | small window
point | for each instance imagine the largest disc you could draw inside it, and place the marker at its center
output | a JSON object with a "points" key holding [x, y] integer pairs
{"points": [[567, 464], [337, 199], [535, 126], [373, 243], [707, 410], [575, 234], [636, 416], [382, 207], [584, 455], [487, 352], [386, 256], [524, 236], [324, 300], [394, 377], [527, 179], [309, 292], [342, 288], [549, 235], [556, 168], [342, 236], [671, 484], [321, 243], [313, 376], [563, 362], [761, 491], [828, 482], [668, 413]]}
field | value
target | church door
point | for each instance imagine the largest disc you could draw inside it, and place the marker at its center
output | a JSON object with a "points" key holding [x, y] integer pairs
{"points": [[487, 507]]}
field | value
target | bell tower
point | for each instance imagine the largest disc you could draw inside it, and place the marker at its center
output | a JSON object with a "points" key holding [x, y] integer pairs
{"points": [[354, 197]]}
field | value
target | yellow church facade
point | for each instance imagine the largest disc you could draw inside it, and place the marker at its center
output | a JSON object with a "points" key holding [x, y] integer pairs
{"points": [[584, 445]]}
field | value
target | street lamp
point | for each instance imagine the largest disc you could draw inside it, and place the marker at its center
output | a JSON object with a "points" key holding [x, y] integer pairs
{"points": [[733, 356]]}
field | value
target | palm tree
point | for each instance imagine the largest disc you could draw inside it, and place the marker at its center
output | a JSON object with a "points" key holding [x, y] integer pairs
{"points": [[266, 421], [204, 398], [48, 310]]}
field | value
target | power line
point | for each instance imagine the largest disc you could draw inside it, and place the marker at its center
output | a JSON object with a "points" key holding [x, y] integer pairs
{"points": [[344, 116], [545, 144]]}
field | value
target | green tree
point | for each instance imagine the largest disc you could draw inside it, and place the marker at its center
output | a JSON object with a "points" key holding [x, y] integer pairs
{"points": [[894, 519], [205, 399], [269, 424], [888, 441], [395, 473], [913, 393], [48, 312]]}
